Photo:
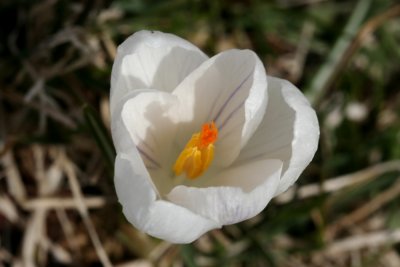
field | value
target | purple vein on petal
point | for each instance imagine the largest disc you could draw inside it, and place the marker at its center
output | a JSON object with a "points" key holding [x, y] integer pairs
{"points": [[146, 145], [148, 157], [225, 134], [237, 89], [231, 115], [151, 168]]}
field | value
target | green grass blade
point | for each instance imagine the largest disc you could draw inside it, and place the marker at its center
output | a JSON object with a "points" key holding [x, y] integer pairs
{"points": [[101, 135]]}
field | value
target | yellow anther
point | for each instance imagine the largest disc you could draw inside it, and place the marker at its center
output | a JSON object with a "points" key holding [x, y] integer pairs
{"points": [[198, 153]]}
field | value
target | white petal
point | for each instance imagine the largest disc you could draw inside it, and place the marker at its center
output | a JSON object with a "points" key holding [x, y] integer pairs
{"points": [[122, 139], [138, 195], [150, 120], [134, 188], [229, 89], [156, 217], [150, 59], [289, 132], [240, 193]]}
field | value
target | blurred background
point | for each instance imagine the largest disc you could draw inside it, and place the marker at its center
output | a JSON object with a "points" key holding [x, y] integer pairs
{"points": [[57, 200]]}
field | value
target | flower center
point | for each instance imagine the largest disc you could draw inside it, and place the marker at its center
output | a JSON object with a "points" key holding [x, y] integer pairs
{"points": [[198, 153]]}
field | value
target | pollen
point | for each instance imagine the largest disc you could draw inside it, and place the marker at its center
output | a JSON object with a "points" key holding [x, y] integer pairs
{"points": [[198, 153]]}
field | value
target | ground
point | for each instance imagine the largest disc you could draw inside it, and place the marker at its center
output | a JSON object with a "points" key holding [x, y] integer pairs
{"points": [[57, 201]]}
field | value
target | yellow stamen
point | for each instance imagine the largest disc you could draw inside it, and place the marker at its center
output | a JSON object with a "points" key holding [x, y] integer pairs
{"points": [[198, 153]]}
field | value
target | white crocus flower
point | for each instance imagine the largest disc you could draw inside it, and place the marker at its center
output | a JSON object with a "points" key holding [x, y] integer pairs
{"points": [[202, 142]]}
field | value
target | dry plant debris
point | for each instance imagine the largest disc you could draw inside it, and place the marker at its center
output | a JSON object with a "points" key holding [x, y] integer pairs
{"points": [[57, 201]]}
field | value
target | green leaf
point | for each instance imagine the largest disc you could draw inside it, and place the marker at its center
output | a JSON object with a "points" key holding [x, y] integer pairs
{"points": [[101, 135], [188, 254]]}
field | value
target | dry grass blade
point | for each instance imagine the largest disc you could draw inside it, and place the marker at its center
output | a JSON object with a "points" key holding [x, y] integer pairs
{"points": [[364, 211], [13, 177], [33, 235], [159, 250], [391, 259], [369, 27], [340, 182], [8, 209], [137, 263], [35, 89], [39, 174], [54, 192], [109, 44], [63, 203], [68, 230], [58, 251], [369, 240], [44, 109], [83, 210], [105, 112], [293, 63], [325, 75]]}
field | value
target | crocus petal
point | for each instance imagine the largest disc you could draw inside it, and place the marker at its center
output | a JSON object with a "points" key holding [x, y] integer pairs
{"points": [[149, 118], [150, 121], [150, 59], [123, 141], [289, 131], [139, 196], [229, 89], [240, 193], [158, 218]]}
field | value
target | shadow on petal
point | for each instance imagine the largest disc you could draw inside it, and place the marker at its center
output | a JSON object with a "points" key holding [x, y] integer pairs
{"points": [[289, 132]]}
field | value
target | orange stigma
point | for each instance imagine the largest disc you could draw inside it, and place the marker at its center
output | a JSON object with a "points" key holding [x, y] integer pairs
{"points": [[208, 135], [198, 153]]}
